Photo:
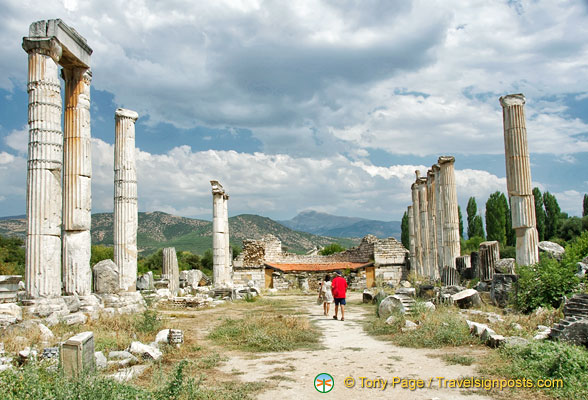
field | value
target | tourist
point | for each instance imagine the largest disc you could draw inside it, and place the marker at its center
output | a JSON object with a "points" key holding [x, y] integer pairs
{"points": [[326, 294], [339, 290]]}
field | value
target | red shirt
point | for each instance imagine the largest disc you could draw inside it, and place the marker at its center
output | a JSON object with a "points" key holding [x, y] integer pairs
{"points": [[339, 287]]}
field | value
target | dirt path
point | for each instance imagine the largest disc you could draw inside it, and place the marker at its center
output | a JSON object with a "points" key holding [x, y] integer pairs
{"points": [[350, 352]]}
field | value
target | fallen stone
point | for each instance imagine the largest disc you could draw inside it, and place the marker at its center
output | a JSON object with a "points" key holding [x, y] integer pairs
{"points": [[101, 361], [516, 327], [543, 335], [405, 284], [572, 330], [120, 355], [76, 318], [503, 286], [145, 281], [486, 334], [553, 249], [429, 306], [368, 296], [127, 374], [381, 295], [72, 302], [5, 367], [515, 341], [410, 291], [162, 336], [582, 269], [164, 293], [105, 275], [391, 320], [146, 351], [11, 310], [467, 298], [505, 266], [410, 325], [495, 340], [391, 304], [191, 277], [482, 286]]}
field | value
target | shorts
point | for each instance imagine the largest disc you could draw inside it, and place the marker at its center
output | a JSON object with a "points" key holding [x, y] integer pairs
{"points": [[340, 301]]}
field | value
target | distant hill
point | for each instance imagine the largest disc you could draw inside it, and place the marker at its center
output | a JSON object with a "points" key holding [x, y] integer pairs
{"points": [[332, 225], [158, 229]]}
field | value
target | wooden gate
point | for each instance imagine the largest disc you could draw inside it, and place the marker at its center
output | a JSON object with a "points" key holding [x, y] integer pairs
{"points": [[370, 276], [268, 277]]}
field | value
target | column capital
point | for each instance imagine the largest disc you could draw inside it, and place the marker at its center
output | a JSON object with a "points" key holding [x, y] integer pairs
{"points": [[125, 113], [512, 100], [446, 159], [77, 74], [435, 168], [217, 188], [46, 46]]}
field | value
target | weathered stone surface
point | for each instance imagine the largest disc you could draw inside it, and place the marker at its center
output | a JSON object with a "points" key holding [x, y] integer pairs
{"points": [[162, 336], [582, 269], [145, 351], [495, 340], [503, 287], [145, 281], [77, 354], [100, 359], [76, 318], [368, 296], [407, 291], [127, 374], [395, 303], [72, 302], [467, 298], [553, 249], [429, 306], [106, 277], [121, 355], [170, 269], [193, 277], [505, 266], [10, 311], [571, 329], [9, 287], [515, 341], [77, 274], [489, 255]]}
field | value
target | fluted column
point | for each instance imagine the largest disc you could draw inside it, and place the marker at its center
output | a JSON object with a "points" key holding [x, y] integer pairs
{"points": [[125, 199], [432, 214], [218, 235], [411, 249], [518, 179], [45, 154], [77, 187], [170, 269], [489, 255], [451, 244], [424, 226], [418, 252], [228, 270], [438, 214]]}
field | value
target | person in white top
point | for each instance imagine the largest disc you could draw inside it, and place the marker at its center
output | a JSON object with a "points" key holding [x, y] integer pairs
{"points": [[326, 294]]}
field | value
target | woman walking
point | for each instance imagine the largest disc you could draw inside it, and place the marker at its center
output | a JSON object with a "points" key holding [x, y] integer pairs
{"points": [[326, 294]]}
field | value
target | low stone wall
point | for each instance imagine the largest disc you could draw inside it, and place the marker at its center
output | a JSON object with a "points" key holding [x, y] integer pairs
{"points": [[391, 274], [242, 276]]}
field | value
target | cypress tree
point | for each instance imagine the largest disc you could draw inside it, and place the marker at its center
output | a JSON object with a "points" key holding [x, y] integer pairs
{"points": [[552, 214], [510, 233], [539, 213], [460, 222], [496, 218], [404, 236], [471, 211], [585, 206]]}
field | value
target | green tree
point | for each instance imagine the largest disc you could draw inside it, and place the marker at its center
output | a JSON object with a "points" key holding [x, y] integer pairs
{"points": [[101, 252], [510, 233], [404, 237], [570, 228], [12, 256], [475, 224], [585, 206], [460, 222], [539, 213], [206, 260], [496, 218], [552, 215], [331, 249]]}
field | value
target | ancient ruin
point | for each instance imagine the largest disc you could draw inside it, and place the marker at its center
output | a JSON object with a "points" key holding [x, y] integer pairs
{"points": [[222, 258], [52, 44], [518, 179], [170, 270]]}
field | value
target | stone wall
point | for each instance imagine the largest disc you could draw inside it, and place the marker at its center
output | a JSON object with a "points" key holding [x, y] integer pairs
{"points": [[391, 274], [390, 252], [242, 276]]}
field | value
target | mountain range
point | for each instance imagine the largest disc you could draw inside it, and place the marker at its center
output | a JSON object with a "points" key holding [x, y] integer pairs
{"points": [[325, 224], [158, 229]]}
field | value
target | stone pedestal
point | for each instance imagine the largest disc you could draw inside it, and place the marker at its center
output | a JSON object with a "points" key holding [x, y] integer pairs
{"points": [[125, 199], [451, 239], [489, 256], [518, 179], [170, 270]]}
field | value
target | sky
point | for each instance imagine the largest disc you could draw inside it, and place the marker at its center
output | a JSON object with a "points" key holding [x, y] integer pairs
{"points": [[327, 105]]}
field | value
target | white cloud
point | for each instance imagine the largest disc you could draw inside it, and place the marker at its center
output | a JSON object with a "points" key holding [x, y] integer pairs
{"points": [[18, 140]]}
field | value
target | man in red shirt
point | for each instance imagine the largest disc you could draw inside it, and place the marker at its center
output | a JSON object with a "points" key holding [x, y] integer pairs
{"points": [[339, 290]]}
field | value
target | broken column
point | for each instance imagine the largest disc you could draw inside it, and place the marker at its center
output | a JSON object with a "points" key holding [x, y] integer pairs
{"points": [[488, 256], [219, 241], [170, 270], [228, 272], [451, 243], [518, 179], [77, 185], [125, 199], [411, 238], [43, 242], [432, 214], [424, 226], [418, 265]]}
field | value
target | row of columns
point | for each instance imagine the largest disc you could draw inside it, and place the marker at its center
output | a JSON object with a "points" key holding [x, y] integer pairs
{"points": [[433, 220], [222, 274]]}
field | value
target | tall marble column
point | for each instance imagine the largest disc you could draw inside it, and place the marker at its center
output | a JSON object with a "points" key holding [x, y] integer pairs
{"points": [[77, 187], [45, 154], [418, 253], [170, 270], [219, 257], [518, 179], [424, 226], [411, 249], [125, 199], [432, 214], [451, 243], [438, 214], [228, 270]]}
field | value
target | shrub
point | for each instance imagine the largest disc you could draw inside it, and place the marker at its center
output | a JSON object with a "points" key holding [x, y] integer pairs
{"points": [[332, 249], [576, 250], [544, 284], [100, 252], [148, 322]]}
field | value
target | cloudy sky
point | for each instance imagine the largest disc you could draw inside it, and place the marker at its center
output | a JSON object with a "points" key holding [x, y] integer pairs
{"points": [[327, 105]]}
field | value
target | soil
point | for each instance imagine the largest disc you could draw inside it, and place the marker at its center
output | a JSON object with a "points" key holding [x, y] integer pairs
{"points": [[349, 352]]}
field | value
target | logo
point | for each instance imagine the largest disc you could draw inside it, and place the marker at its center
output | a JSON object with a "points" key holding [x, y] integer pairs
{"points": [[324, 383]]}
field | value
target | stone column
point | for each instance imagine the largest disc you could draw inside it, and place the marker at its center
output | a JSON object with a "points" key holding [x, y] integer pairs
{"points": [[518, 179], [439, 218], [424, 226], [170, 270], [451, 244], [218, 235], [432, 213], [228, 272], [489, 254], [77, 187], [411, 238], [125, 199], [45, 154], [418, 266]]}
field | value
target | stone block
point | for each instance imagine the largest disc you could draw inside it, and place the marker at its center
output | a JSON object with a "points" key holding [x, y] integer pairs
{"points": [[467, 298], [193, 277], [390, 305], [127, 374], [106, 278], [77, 354], [72, 302], [11, 310], [505, 266], [145, 351], [145, 281], [9, 286], [553, 249], [75, 318], [503, 287], [100, 360]]}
